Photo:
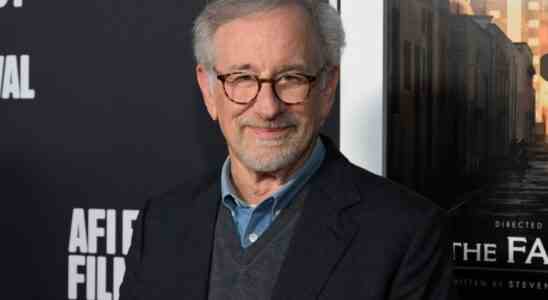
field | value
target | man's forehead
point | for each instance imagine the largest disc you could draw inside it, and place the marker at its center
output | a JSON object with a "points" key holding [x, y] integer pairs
{"points": [[286, 10], [288, 18], [277, 40]]}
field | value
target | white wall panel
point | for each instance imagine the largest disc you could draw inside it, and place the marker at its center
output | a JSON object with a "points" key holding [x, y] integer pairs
{"points": [[362, 91]]}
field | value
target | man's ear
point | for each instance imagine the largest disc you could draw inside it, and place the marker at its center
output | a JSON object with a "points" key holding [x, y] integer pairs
{"points": [[204, 78]]}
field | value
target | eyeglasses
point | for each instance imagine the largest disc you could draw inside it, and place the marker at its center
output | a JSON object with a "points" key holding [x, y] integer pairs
{"points": [[290, 88]]}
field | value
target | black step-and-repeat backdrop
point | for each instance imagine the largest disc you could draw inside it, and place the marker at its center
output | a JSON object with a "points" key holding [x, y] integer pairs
{"points": [[99, 110]]}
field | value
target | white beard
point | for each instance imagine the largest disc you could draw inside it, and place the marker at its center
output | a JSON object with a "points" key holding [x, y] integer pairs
{"points": [[272, 160], [269, 155]]}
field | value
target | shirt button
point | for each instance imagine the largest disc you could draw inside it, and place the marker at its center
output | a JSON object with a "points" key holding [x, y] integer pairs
{"points": [[253, 237], [277, 213]]}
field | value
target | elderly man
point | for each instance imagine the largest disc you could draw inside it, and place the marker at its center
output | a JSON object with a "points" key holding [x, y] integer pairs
{"points": [[287, 216]]}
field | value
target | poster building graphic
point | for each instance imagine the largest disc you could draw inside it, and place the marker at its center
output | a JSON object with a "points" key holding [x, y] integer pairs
{"points": [[467, 127]]}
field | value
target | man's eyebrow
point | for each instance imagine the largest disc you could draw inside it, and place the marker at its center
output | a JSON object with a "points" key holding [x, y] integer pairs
{"points": [[293, 67], [242, 67]]}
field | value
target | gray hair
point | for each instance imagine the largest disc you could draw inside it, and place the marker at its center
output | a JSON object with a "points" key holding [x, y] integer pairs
{"points": [[324, 18]]}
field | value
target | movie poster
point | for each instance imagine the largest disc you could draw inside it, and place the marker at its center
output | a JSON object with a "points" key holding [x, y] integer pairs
{"points": [[467, 114]]}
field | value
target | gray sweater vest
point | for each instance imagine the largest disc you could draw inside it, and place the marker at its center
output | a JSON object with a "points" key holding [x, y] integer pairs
{"points": [[251, 273]]}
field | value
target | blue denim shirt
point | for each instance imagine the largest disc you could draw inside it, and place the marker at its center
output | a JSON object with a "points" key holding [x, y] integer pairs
{"points": [[252, 222]]}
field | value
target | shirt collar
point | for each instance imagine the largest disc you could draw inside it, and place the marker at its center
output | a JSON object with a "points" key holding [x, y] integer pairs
{"points": [[292, 185]]}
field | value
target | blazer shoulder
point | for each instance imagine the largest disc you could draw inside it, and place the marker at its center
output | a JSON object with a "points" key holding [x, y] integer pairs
{"points": [[182, 195], [390, 199], [391, 210]]}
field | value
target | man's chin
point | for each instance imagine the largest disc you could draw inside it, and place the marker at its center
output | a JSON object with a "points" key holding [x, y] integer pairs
{"points": [[268, 162], [266, 167], [280, 142]]}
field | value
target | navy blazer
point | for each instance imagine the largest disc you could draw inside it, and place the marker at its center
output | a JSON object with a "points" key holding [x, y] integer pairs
{"points": [[360, 236]]}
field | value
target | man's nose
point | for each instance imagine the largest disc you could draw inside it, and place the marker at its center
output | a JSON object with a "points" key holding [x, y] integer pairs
{"points": [[268, 105]]}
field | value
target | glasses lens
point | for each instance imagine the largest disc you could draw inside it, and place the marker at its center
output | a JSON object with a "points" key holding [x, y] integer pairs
{"points": [[292, 88], [241, 87]]}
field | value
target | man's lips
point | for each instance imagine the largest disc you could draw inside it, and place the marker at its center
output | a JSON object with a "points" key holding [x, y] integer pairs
{"points": [[269, 133]]}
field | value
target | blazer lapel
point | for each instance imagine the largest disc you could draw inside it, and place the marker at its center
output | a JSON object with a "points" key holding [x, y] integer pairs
{"points": [[196, 243], [323, 234]]}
